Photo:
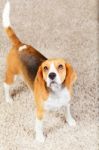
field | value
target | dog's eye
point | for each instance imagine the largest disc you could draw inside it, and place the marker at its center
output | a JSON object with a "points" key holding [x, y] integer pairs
{"points": [[45, 68], [60, 67]]}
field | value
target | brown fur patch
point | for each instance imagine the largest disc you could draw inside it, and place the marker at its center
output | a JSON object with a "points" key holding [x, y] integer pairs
{"points": [[40, 93], [12, 36], [71, 76]]}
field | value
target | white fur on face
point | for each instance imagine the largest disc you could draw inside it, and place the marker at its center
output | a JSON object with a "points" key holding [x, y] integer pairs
{"points": [[54, 86]]}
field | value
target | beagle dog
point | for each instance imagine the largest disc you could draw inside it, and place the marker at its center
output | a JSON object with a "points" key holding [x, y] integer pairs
{"points": [[52, 89], [51, 80]]}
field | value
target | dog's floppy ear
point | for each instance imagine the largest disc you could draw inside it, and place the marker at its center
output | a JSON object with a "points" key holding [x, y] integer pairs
{"points": [[40, 93], [71, 76], [40, 90]]}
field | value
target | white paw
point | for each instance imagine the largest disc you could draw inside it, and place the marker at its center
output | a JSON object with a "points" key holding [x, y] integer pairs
{"points": [[40, 138], [71, 122], [9, 100]]}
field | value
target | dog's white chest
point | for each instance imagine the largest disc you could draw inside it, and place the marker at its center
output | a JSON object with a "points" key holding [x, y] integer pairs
{"points": [[57, 100]]}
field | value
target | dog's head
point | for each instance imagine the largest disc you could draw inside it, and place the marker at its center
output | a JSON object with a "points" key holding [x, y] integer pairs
{"points": [[54, 73]]}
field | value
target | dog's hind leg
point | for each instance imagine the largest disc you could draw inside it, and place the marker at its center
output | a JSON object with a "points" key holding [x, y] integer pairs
{"points": [[9, 79]]}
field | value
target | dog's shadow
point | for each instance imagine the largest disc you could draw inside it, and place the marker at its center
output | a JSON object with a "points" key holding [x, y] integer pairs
{"points": [[61, 121], [58, 122], [22, 87]]}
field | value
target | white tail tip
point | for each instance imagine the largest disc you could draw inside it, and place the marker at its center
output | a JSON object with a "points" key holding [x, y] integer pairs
{"points": [[5, 16]]}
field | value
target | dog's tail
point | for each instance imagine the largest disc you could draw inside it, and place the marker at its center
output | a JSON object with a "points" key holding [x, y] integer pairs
{"points": [[7, 25]]}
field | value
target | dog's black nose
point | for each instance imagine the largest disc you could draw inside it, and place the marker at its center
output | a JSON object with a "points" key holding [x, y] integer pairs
{"points": [[52, 75]]}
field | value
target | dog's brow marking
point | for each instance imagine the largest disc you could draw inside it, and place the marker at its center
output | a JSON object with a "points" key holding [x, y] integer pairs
{"points": [[22, 47]]}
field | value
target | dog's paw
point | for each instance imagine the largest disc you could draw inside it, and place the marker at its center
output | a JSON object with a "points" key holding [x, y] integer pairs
{"points": [[71, 122], [40, 138]]}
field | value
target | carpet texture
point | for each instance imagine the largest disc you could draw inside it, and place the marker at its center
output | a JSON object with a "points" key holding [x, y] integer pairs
{"points": [[57, 28]]}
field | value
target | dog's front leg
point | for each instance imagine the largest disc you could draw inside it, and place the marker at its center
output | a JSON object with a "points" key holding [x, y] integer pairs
{"points": [[39, 126], [70, 120]]}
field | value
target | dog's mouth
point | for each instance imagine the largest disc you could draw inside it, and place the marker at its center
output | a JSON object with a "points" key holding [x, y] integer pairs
{"points": [[53, 83], [54, 86]]}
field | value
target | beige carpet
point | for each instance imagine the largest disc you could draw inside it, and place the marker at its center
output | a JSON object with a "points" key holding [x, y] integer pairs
{"points": [[57, 28]]}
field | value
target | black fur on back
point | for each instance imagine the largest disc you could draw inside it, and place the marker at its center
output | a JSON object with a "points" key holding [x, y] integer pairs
{"points": [[31, 62]]}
